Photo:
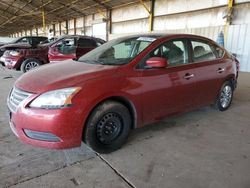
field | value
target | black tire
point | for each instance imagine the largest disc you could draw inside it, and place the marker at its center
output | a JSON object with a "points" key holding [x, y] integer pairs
{"points": [[107, 127], [29, 64], [225, 96]]}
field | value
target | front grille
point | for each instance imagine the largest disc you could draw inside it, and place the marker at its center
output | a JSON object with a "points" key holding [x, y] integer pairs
{"points": [[16, 97]]}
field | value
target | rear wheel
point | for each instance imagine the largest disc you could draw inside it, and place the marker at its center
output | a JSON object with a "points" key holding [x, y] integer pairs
{"points": [[29, 64], [225, 96], [108, 127]]}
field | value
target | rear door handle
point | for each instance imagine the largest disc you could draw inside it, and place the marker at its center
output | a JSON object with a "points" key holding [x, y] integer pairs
{"points": [[188, 76], [220, 70]]}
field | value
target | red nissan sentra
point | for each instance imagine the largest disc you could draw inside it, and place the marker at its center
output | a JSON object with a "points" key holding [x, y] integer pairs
{"points": [[124, 84]]}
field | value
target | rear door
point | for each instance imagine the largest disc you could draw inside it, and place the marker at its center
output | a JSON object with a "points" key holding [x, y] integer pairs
{"points": [[210, 70], [84, 45], [169, 90]]}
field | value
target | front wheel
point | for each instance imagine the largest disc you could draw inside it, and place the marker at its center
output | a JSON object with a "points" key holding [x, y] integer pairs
{"points": [[108, 127], [29, 64], [225, 96]]}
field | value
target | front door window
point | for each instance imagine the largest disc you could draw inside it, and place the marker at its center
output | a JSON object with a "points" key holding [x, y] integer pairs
{"points": [[67, 46], [175, 52]]}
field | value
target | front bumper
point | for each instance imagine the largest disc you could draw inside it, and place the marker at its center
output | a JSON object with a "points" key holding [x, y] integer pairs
{"points": [[11, 62], [55, 129]]}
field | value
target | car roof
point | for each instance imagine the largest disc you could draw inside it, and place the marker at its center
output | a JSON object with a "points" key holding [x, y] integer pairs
{"points": [[166, 35], [34, 37]]}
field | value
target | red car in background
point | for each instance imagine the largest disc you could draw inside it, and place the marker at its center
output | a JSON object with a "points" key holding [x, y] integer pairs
{"points": [[27, 57], [124, 84], [72, 47]]}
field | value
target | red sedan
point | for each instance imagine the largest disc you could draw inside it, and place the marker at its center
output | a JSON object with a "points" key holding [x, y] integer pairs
{"points": [[121, 85]]}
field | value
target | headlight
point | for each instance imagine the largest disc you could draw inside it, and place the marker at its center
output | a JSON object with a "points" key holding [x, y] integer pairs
{"points": [[55, 99], [14, 53]]}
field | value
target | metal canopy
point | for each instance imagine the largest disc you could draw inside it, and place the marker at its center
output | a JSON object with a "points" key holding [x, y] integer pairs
{"points": [[18, 15]]}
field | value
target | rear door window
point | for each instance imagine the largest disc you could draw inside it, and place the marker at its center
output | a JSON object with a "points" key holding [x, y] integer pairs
{"points": [[202, 51], [219, 52], [86, 43]]}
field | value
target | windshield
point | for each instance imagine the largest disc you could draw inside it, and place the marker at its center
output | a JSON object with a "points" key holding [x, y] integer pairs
{"points": [[118, 51]]}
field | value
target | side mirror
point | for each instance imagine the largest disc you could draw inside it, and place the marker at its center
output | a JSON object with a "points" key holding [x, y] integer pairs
{"points": [[156, 62]]}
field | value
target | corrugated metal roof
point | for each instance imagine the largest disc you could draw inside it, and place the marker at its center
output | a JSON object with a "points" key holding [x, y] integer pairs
{"points": [[17, 15]]}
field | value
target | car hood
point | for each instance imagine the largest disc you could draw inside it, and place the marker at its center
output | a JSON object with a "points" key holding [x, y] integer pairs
{"points": [[61, 75]]}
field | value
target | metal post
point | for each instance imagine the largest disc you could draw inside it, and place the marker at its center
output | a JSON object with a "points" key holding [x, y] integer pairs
{"points": [[84, 28], [110, 23], [150, 12], [60, 28], [54, 29], [151, 16], [74, 26], [229, 19], [43, 17], [44, 24], [67, 27]]}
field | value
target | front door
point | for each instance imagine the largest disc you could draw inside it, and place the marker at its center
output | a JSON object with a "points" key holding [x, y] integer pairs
{"points": [[63, 50], [169, 90]]}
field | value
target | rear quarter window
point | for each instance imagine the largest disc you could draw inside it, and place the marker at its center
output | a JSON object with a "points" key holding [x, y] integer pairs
{"points": [[219, 52]]}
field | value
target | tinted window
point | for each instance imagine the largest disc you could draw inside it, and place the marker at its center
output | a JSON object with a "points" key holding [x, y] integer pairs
{"points": [[67, 46], [86, 43], [37, 40], [174, 52], [202, 51], [40, 39], [25, 40]]}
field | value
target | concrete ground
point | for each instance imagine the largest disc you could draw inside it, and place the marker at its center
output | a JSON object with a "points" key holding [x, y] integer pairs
{"points": [[204, 148]]}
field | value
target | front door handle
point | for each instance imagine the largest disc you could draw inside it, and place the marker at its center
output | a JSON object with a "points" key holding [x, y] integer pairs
{"points": [[220, 70], [188, 76]]}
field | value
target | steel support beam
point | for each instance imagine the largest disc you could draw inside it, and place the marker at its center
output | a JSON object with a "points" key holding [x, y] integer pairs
{"points": [[60, 28], [67, 27], [54, 29], [74, 26], [229, 19], [150, 11]]}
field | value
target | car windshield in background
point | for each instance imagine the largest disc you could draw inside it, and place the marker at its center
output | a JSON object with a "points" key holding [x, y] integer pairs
{"points": [[118, 51]]}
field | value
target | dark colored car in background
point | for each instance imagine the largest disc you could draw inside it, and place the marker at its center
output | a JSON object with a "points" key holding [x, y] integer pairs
{"points": [[31, 40], [124, 84], [26, 57]]}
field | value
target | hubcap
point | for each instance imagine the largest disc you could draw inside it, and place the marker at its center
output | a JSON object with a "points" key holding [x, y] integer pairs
{"points": [[226, 96], [31, 65], [109, 128]]}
